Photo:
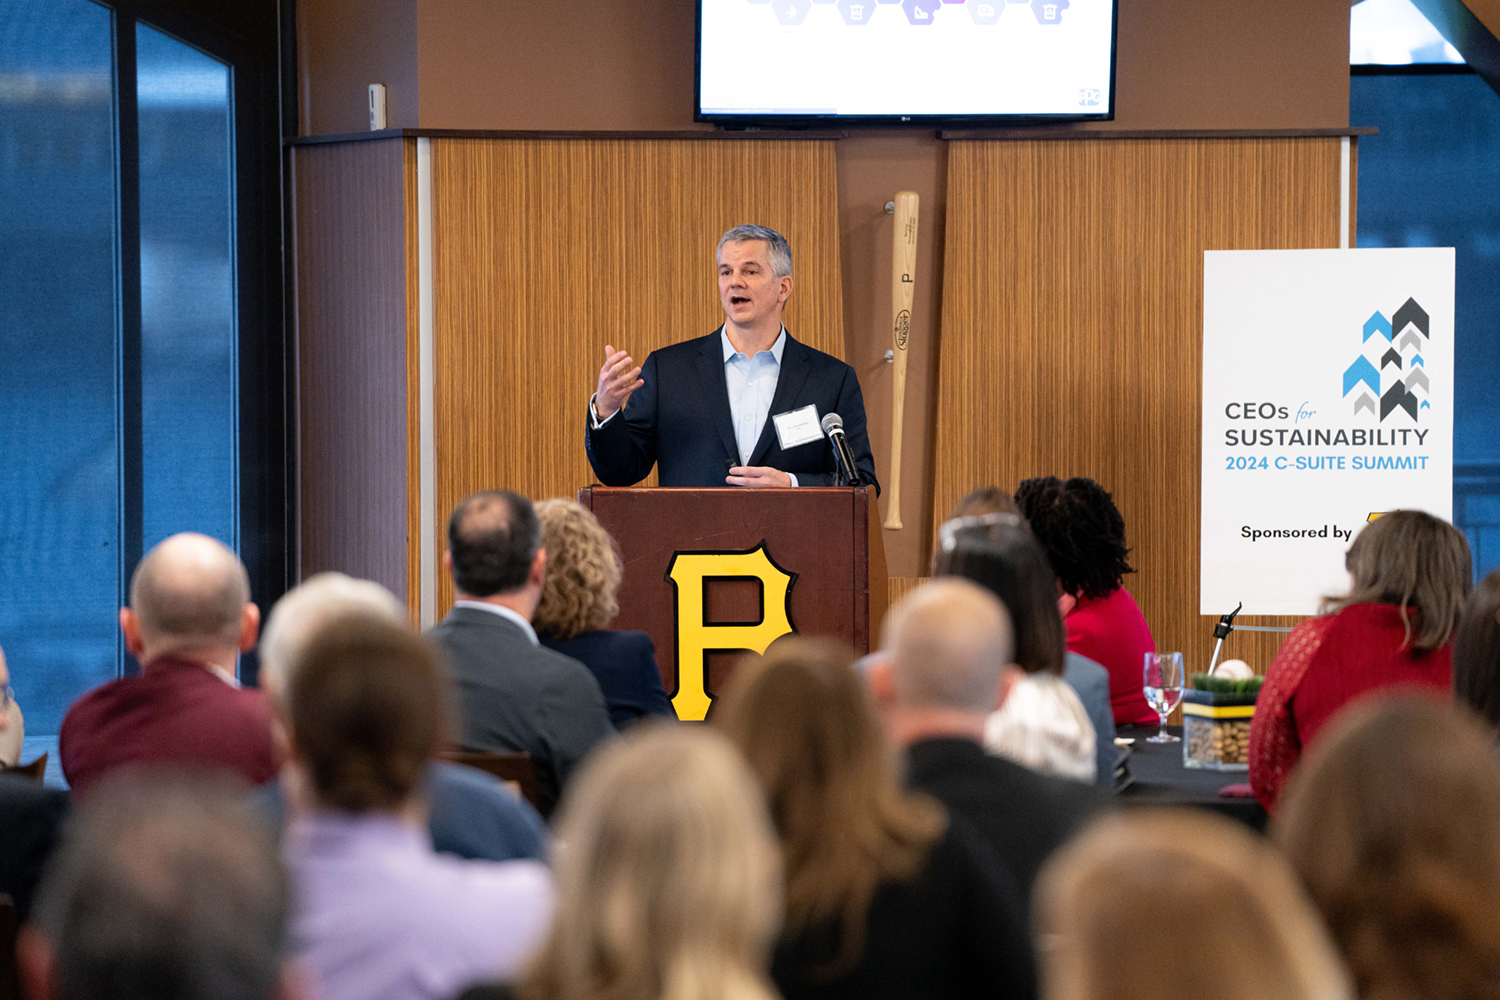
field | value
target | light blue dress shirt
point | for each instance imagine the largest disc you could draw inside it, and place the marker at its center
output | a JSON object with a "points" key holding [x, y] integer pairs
{"points": [[752, 384]]}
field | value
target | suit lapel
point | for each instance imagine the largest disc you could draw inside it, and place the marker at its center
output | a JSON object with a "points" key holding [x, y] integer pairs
{"points": [[716, 390], [795, 364]]}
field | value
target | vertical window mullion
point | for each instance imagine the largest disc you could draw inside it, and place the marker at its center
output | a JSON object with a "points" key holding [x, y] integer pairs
{"points": [[129, 357]]}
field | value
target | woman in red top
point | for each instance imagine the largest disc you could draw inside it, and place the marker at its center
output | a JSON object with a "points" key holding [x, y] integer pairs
{"points": [[1409, 575], [1084, 535]]}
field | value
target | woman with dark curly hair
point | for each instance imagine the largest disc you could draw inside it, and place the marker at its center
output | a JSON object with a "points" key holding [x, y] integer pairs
{"points": [[1084, 535]]}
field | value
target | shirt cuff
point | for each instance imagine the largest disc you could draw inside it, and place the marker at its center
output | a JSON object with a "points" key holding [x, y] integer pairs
{"points": [[594, 415], [793, 477]]}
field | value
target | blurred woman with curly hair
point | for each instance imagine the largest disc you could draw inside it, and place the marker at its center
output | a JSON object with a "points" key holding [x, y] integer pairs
{"points": [[1079, 525], [578, 603]]}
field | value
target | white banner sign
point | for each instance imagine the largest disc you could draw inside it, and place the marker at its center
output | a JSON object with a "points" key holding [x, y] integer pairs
{"points": [[1327, 397]]}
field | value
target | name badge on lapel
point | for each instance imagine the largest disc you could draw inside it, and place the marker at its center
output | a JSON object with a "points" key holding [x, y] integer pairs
{"points": [[798, 427]]}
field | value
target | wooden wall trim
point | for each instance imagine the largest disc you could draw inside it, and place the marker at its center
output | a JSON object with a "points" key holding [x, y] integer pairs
{"points": [[1061, 132], [690, 135], [413, 321]]}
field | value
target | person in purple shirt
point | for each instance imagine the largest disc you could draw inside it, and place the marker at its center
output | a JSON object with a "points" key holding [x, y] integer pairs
{"points": [[378, 914]]}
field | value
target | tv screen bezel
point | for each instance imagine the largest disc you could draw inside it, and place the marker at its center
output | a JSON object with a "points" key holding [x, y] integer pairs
{"points": [[761, 121]]}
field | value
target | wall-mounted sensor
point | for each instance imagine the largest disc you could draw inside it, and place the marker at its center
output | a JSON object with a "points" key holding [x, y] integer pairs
{"points": [[377, 106]]}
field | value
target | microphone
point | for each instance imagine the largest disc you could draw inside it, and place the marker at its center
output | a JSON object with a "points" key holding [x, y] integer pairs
{"points": [[833, 426]]}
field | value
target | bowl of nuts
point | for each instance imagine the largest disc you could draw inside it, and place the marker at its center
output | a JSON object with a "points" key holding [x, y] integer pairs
{"points": [[1216, 714]]}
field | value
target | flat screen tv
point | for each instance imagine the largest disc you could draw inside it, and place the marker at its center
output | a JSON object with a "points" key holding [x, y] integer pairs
{"points": [[799, 62]]}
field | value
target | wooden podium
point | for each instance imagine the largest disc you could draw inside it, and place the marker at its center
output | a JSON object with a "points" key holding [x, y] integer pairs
{"points": [[712, 573]]}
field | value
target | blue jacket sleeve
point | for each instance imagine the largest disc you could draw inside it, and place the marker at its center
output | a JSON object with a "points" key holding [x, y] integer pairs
{"points": [[623, 450]]}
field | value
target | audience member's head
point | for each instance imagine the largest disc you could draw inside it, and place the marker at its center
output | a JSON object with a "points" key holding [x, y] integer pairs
{"points": [[945, 665], [1230, 914], [1413, 560], [1476, 651], [1081, 531], [495, 547], [163, 889], [999, 554], [305, 610], [366, 708], [190, 596], [1393, 821], [804, 721], [985, 500], [668, 878], [12, 725], [583, 571]]}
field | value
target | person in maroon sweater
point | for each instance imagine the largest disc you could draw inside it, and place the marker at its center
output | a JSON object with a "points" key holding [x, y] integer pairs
{"points": [[1079, 525], [189, 617], [1409, 576]]}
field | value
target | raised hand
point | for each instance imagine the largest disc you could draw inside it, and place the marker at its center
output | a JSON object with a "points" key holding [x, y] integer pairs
{"points": [[619, 377]]}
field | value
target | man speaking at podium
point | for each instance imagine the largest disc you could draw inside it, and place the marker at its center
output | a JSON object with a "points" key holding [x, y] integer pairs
{"points": [[739, 407]]}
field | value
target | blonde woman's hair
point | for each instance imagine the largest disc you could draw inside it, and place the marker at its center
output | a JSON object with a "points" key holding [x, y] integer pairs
{"points": [[1172, 902], [804, 721], [1410, 558], [668, 878], [583, 571]]}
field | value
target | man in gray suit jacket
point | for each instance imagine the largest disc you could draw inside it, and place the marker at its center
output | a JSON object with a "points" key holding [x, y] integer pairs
{"points": [[513, 694]]}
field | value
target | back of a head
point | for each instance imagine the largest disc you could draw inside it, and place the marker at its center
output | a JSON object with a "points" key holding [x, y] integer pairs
{"points": [[950, 641], [164, 889], [1006, 560], [367, 707], [583, 571], [985, 500], [1393, 821], [1219, 907], [805, 723], [493, 537], [190, 591], [1081, 530], [305, 609], [669, 883], [1476, 651], [1411, 559]]}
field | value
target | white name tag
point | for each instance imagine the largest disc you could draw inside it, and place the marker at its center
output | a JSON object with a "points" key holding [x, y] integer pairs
{"points": [[797, 427]]}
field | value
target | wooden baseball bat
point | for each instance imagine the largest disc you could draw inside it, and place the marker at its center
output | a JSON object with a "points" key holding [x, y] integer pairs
{"points": [[903, 278]]}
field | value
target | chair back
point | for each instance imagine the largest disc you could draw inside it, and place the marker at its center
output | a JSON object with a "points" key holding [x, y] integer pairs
{"points": [[35, 771], [515, 769]]}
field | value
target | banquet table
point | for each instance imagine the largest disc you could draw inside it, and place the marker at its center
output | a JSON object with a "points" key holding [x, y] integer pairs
{"points": [[1159, 779]]}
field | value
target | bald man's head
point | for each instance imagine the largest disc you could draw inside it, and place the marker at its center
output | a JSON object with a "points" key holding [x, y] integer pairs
{"points": [[190, 592], [950, 642]]}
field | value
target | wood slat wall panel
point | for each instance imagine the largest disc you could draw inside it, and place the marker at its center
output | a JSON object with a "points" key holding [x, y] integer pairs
{"points": [[546, 250], [350, 238], [1072, 322]]}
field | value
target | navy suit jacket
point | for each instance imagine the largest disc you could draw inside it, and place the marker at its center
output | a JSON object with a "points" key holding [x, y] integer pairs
{"points": [[624, 664], [680, 420]]}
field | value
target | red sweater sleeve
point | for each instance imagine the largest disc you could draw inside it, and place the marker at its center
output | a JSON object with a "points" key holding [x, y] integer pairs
{"points": [[1275, 746]]}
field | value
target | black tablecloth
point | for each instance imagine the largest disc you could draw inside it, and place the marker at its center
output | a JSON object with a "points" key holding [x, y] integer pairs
{"points": [[1161, 780]]}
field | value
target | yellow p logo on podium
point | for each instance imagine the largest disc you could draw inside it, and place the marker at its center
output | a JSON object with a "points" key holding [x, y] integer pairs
{"points": [[689, 574]]}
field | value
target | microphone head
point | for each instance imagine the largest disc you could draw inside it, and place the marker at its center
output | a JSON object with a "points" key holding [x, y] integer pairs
{"points": [[832, 422]]}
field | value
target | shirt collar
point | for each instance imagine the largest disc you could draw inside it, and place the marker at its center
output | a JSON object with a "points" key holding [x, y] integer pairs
{"points": [[503, 612], [164, 664], [776, 349]]}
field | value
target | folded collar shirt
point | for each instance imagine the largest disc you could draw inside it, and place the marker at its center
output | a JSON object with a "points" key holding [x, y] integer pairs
{"points": [[503, 612]]}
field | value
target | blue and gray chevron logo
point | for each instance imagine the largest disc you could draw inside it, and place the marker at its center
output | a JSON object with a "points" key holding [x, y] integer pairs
{"points": [[1390, 368]]}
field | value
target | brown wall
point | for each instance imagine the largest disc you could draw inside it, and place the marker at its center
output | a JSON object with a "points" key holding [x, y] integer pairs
{"points": [[343, 46]]}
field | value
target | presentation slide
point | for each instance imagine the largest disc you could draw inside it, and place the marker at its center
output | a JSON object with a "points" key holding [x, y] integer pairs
{"points": [[889, 58]]}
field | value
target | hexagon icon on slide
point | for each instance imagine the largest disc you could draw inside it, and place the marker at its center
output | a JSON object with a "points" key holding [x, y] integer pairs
{"points": [[986, 11], [1049, 11], [791, 11], [919, 12], [856, 11]]}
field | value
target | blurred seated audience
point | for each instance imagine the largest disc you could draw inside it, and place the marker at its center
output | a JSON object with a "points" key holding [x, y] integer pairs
{"points": [[379, 915], [1476, 651], [189, 618], [1393, 822], [1409, 575], [578, 603], [944, 672], [886, 895], [31, 819], [669, 886], [513, 694], [1083, 534], [1044, 723], [469, 813], [1220, 905], [164, 888], [12, 724]]}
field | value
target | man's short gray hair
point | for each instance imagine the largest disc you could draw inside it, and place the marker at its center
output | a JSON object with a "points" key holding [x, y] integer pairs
{"points": [[780, 252], [299, 616]]}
